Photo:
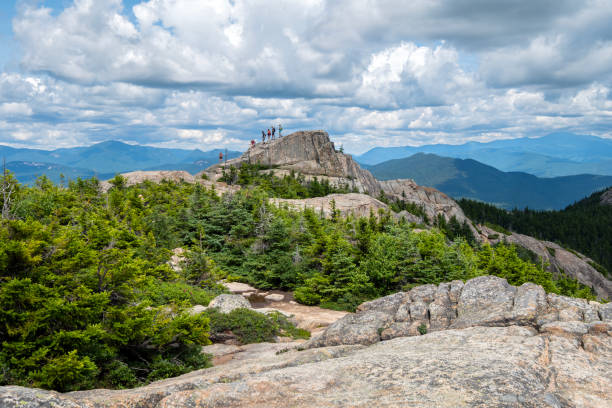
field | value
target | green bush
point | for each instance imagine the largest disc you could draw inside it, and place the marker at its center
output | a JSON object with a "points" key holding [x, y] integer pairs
{"points": [[163, 293], [250, 326], [306, 296], [68, 372]]}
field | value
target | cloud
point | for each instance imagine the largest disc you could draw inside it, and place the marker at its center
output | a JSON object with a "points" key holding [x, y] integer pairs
{"points": [[372, 72]]}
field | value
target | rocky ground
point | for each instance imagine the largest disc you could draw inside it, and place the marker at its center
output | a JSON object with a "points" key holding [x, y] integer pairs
{"points": [[311, 318], [484, 344], [559, 259]]}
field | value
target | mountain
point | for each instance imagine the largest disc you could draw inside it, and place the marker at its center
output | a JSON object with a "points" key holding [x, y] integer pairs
{"points": [[311, 153], [583, 226], [27, 172], [105, 158], [467, 178], [557, 154]]}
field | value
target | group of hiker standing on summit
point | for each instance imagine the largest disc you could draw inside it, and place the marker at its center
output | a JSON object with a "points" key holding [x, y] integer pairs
{"points": [[271, 133]]}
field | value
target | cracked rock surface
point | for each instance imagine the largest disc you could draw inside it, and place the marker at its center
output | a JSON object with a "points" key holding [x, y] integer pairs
{"points": [[489, 344]]}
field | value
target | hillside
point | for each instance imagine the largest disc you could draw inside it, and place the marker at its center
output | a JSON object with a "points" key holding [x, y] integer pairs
{"points": [[467, 178], [131, 268], [583, 226], [103, 159], [537, 358], [554, 155]]}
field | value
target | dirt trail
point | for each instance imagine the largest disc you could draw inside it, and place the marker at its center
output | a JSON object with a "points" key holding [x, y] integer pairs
{"points": [[311, 318]]}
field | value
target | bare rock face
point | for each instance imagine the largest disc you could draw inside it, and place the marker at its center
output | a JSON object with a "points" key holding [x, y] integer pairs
{"points": [[482, 301], [507, 361], [434, 202], [356, 204], [606, 198], [136, 177], [560, 260], [311, 153]]}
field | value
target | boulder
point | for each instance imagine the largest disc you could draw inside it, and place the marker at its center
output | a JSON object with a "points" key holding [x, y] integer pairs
{"points": [[529, 303], [484, 301], [275, 297], [227, 303], [238, 287], [387, 304], [360, 328]]}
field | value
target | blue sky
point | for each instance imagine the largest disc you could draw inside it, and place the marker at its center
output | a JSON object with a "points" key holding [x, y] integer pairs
{"points": [[206, 74]]}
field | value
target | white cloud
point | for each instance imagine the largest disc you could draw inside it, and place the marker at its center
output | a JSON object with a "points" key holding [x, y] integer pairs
{"points": [[15, 108], [192, 73]]}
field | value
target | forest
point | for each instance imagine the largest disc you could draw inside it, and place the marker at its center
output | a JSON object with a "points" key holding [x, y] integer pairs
{"points": [[88, 298], [583, 226]]}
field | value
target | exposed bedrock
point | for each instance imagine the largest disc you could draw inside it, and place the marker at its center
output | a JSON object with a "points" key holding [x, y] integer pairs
{"points": [[482, 343]]}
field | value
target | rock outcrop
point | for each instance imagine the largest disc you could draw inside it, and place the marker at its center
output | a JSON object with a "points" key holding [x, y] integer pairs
{"points": [[432, 201], [560, 260], [483, 301], [606, 197], [136, 177], [487, 344], [310, 153], [358, 205]]}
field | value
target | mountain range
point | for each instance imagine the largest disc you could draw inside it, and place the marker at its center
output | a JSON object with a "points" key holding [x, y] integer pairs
{"points": [[104, 160], [467, 178], [554, 155]]}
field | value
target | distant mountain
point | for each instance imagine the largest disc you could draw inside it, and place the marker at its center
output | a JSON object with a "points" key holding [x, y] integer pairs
{"points": [[557, 154], [583, 226], [467, 178], [103, 159], [28, 172]]}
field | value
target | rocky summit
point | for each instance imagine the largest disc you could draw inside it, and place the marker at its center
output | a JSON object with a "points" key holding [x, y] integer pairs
{"points": [[482, 343], [311, 153]]}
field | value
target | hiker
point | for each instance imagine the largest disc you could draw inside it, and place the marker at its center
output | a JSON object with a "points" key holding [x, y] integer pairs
{"points": [[252, 143], [220, 157], [280, 130], [269, 135], [263, 137], [273, 131]]}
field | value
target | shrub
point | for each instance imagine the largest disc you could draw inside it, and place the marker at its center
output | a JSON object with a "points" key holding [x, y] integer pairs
{"points": [[250, 326], [306, 296], [422, 329], [66, 373]]}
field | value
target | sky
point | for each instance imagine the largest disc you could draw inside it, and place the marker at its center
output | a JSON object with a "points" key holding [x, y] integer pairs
{"points": [[214, 73]]}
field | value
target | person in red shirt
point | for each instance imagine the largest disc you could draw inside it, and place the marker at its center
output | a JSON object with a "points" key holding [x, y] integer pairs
{"points": [[269, 135]]}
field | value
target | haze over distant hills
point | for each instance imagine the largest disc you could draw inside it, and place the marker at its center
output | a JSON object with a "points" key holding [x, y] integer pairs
{"points": [[467, 178], [557, 154], [104, 160]]}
